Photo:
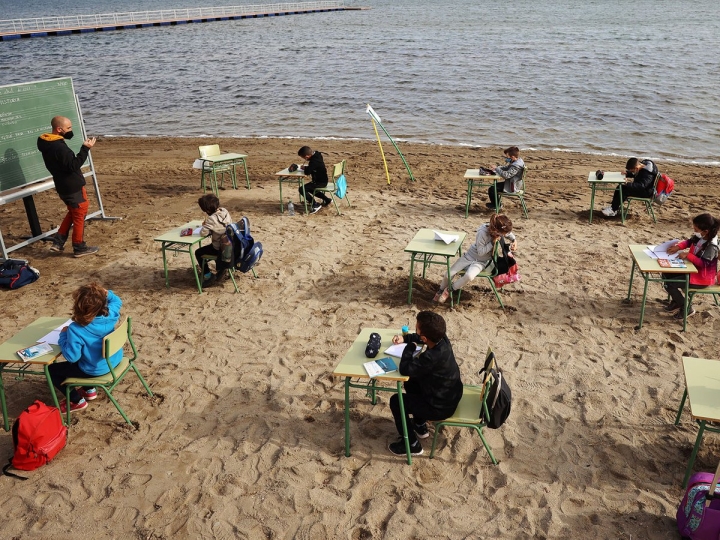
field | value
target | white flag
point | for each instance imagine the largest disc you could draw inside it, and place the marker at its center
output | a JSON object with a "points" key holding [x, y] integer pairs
{"points": [[373, 114]]}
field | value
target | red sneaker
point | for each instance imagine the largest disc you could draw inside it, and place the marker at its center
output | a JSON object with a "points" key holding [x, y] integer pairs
{"points": [[87, 393], [79, 406]]}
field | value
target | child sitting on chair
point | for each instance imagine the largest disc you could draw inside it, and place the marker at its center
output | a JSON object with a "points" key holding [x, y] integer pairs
{"points": [[95, 313], [701, 250], [433, 389], [479, 256], [215, 225]]}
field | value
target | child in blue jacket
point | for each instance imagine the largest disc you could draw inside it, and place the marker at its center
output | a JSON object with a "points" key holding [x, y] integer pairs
{"points": [[96, 311]]}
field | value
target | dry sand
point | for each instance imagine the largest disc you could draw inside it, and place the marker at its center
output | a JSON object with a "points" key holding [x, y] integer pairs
{"points": [[244, 438]]}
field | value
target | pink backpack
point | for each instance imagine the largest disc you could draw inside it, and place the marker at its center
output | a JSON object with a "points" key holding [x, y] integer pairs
{"points": [[664, 188], [698, 517]]}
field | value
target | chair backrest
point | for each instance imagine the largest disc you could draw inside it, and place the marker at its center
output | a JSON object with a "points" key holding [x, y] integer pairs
{"points": [[487, 382], [209, 150], [116, 340], [338, 169]]}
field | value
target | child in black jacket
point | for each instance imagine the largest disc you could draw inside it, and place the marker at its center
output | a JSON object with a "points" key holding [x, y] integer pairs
{"points": [[315, 168], [434, 389]]}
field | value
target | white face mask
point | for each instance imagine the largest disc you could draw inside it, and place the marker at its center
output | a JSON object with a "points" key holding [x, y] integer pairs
{"points": [[698, 235]]}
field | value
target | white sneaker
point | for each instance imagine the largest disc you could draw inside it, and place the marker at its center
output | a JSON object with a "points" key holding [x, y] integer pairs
{"points": [[609, 212]]}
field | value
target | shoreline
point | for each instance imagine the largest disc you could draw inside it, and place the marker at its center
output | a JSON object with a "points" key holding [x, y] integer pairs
{"points": [[599, 154]]}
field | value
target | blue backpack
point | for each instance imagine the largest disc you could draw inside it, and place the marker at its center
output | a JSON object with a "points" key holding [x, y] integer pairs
{"points": [[16, 273], [341, 187], [245, 251]]}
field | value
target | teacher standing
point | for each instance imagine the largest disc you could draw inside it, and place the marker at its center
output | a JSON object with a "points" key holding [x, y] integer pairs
{"points": [[65, 168]]}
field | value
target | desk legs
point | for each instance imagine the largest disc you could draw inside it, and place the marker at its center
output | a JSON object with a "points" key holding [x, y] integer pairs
{"points": [[347, 416], [53, 393], [698, 440], [687, 301], [404, 422], [452, 300], [164, 248], [2, 400], [592, 201], [682, 405], [164, 254], [301, 185], [642, 307], [412, 272]]}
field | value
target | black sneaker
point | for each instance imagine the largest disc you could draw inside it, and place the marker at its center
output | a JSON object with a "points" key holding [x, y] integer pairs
{"points": [[679, 314], [58, 244], [492, 205], [316, 208], [80, 250], [398, 448], [421, 430], [672, 306], [327, 202]]}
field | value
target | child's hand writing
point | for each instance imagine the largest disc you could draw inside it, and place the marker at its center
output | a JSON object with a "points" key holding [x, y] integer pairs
{"points": [[398, 339]]}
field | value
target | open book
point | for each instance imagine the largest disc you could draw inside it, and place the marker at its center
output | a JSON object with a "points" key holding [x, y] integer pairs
{"points": [[447, 238], [36, 351], [660, 251], [380, 367]]}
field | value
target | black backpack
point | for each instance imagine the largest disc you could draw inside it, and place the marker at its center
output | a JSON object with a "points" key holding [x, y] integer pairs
{"points": [[16, 273], [245, 252], [499, 397]]}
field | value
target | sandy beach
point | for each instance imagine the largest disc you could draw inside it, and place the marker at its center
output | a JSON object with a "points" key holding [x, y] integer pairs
{"points": [[244, 437]]}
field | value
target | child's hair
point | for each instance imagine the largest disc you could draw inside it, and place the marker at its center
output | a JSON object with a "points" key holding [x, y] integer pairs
{"points": [[500, 224], [705, 222], [305, 151], [90, 301], [209, 203], [631, 163], [431, 325], [513, 151]]}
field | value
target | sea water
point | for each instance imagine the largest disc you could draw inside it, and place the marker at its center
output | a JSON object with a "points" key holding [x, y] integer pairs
{"points": [[600, 76]]}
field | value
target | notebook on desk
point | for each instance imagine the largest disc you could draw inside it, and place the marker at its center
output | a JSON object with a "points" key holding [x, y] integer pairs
{"points": [[486, 172]]}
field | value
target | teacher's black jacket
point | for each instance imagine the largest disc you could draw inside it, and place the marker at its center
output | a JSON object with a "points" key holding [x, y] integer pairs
{"points": [[434, 373], [64, 166]]}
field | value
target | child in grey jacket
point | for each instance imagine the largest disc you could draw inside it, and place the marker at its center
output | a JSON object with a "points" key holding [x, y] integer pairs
{"points": [[215, 224], [479, 256]]}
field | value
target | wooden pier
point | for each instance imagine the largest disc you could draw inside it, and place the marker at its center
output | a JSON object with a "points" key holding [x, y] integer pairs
{"points": [[82, 24]]}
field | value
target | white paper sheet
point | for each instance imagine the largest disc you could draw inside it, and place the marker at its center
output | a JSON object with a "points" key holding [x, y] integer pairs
{"points": [[660, 251], [397, 350], [53, 337], [447, 238]]}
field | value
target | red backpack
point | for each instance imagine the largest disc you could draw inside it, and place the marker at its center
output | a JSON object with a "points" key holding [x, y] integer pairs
{"points": [[665, 187], [38, 435]]}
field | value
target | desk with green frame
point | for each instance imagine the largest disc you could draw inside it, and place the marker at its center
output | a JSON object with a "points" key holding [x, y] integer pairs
{"points": [[172, 241], [702, 387], [423, 247], [351, 367], [609, 182], [296, 177], [648, 266], [476, 179], [213, 164], [10, 363]]}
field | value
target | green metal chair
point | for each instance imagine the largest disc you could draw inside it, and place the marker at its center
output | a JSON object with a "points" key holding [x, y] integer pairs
{"points": [[648, 201], [231, 270], [113, 342], [712, 289], [520, 194], [488, 273], [338, 170], [211, 150], [469, 412]]}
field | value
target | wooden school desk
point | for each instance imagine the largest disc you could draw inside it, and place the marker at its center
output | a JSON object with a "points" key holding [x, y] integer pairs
{"points": [[610, 181], [172, 241], [476, 179], [423, 247], [649, 267], [10, 363], [351, 367], [297, 177]]}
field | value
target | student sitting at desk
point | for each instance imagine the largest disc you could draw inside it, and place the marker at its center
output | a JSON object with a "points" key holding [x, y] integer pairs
{"points": [[96, 311], [512, 172], [434, 388], [702, 251], [642, 181], [479, 256], [215, 225], [316, 169]]}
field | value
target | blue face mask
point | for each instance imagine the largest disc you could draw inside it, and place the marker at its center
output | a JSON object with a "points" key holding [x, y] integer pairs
{"points": [[508, 160]]}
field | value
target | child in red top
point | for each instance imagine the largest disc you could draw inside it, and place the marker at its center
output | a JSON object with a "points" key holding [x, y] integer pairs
{"points": [[701, 249]]}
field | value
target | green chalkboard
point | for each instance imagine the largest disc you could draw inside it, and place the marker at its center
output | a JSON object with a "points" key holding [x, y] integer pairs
{"points": [[25, 113]]}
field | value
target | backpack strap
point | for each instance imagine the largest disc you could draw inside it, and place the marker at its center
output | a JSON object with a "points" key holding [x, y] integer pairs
{"points": [[6, 473]]}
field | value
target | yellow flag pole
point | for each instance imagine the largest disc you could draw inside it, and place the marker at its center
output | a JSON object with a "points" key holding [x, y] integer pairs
{"points": [[382, 152]]}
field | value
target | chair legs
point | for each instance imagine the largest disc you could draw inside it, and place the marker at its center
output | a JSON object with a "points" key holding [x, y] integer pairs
{"points": [[625, 208], [492, 286], [478, 429], [231, 270]]}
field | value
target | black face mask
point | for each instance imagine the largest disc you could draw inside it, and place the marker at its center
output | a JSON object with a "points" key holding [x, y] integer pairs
{"points": [[68, 135]]}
